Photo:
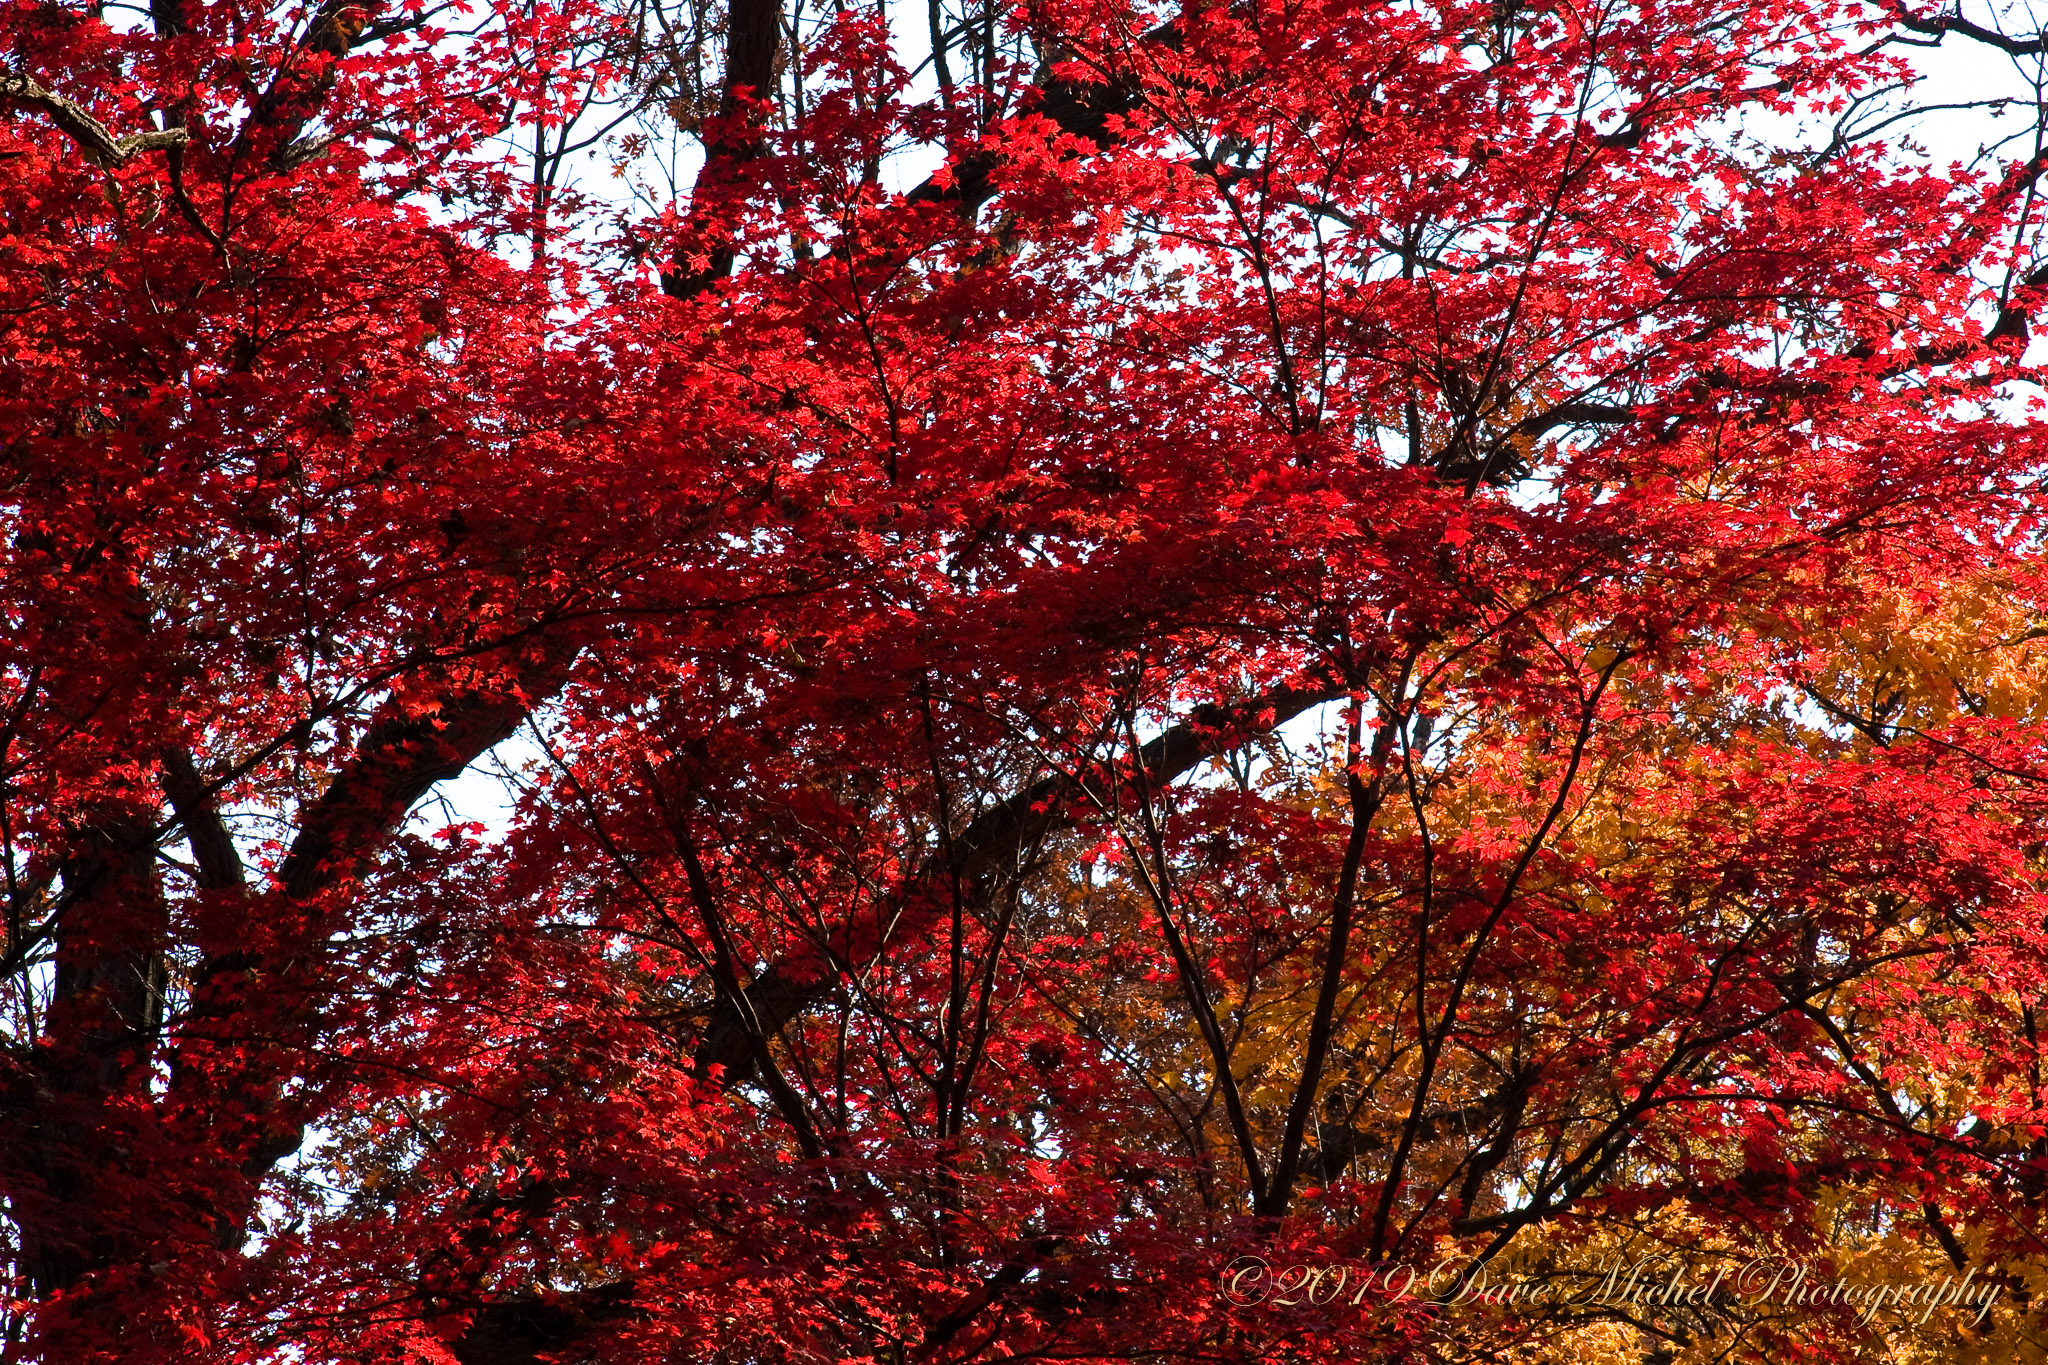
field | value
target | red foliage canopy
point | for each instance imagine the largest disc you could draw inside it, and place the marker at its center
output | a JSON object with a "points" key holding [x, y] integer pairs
{"points": [[925, 933]]}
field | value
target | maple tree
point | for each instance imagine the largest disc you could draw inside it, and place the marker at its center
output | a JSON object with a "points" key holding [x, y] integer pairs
{"points": [[915, 524]]}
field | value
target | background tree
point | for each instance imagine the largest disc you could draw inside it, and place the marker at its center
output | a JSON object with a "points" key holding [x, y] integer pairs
{"points": [[906, 523]]}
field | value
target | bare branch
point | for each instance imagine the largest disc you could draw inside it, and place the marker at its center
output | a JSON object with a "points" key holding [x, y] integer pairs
{"points": [[1956, 23]]}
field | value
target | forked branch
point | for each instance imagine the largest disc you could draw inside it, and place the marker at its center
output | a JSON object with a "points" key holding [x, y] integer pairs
{"points": [[98, 142]]}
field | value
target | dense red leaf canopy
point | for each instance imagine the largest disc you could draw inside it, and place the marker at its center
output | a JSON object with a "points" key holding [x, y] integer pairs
{"points": [[1344, 631]]}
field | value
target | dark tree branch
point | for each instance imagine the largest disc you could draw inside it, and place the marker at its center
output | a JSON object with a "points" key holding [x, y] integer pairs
{"points": [[213, 849], [401, 757], [997, 836], [98, 142], [706, 254], [532, 1330], [1365, 798], [725, 971], [1991, 37]]}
